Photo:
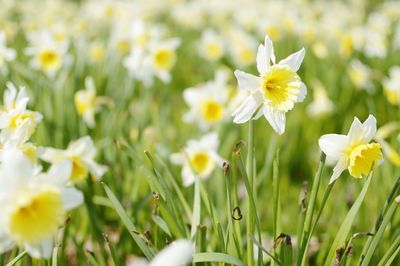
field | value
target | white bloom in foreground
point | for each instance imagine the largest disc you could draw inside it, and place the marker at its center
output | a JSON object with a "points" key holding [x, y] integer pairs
{"points": [[198, 158], [178, 253], [33, 206], [80, 155], [354, 150], [274, 91], [6, 54]]}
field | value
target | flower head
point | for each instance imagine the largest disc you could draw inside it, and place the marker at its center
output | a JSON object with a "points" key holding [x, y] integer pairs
{"points": [[354, 150], [275, 91], [199, 158]]}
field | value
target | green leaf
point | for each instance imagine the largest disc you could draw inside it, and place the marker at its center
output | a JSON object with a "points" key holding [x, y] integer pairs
{"points": [[17, 258], [216, 257], [147, 250], [347, 223], [161, 223]]}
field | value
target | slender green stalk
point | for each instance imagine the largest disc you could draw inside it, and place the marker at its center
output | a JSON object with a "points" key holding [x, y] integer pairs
{"points": [[196, 208], [305, 232], [250, 215]]}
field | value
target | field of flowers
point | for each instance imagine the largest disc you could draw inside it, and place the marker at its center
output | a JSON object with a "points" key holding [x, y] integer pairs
{"points": [[202, 132]]}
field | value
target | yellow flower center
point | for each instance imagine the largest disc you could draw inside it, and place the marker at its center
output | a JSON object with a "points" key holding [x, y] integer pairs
{"points": [[79, 171], [37, 216], [281, 87], [17, 119], [123, 46], [164, 59], [97, 52], [49, 59], [362, 158], [212, 110], [213, 50], [392, 96], [200, 162], [84, 100]]}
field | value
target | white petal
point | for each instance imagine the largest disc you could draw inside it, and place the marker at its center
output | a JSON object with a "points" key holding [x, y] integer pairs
{"points": [[210, 141], [5, 243], [191, 96], [369, 129], [294, 60], [303, 92], [275, 118], [339, 168], [95, 169], [188, 176], [355, 132], [262, 60], [247, 81], [177, 158], [245, 111], [59, 173], [41, 250], [72, 198], [334, 145], [179, 253], [269, 49]]}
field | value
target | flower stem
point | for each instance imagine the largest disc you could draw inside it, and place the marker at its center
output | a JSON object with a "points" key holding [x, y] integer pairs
{"points": [[250, 174]]}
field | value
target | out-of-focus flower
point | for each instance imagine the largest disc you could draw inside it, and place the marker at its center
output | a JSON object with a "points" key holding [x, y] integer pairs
{"points": [[207, 102], [354, 150], [15, 120], [48, 53], [97, 51], [33, 206], [360, 75], [211, 46], [6, 54], [321, 105], [80, 155], [384, 132], [199, 158], [242, 48], [274, 91], [87, 103], [178, 253], [391, 85]]}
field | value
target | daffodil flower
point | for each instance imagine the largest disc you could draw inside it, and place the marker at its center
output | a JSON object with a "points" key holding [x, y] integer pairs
{"points": [[6, 54], [275, 91], [199, 158], [80, 155], [33, 205], [354, 150]]}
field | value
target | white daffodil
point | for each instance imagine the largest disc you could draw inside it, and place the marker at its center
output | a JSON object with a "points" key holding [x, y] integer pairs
{"points": [[87, 103], [48, 54], [178, 253], [207, 102], [15, 119], [360, 74], [33, 206], [199, 158], [211, 46], [6, 54], [354, 150], [275, 91], [80, 155], [391, 85]]}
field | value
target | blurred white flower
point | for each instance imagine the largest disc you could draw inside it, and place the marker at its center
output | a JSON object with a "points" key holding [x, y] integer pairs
{"points": [[6, 54], [360, 74], [80, 155], [199, 158], [321, 105], [391, 85], [211, 45], [33, 206]]}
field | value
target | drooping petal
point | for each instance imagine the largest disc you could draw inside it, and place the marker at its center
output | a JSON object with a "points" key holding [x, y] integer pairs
{"points": [[59, 173], [246, 110], [179, 253], [294, 60], [247, 81], [276, 119], [339, 168], [188, 176], [333, 145]]}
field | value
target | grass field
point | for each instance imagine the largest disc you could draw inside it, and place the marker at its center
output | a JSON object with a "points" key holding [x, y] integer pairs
{"points": [[176, 132]]}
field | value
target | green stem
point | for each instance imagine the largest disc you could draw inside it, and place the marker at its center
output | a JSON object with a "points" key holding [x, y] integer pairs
{"points": [[250, 214]]}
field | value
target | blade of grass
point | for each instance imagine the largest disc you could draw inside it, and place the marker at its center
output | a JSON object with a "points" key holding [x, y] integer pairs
{"points": [[216, 257], [17, 258]]}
